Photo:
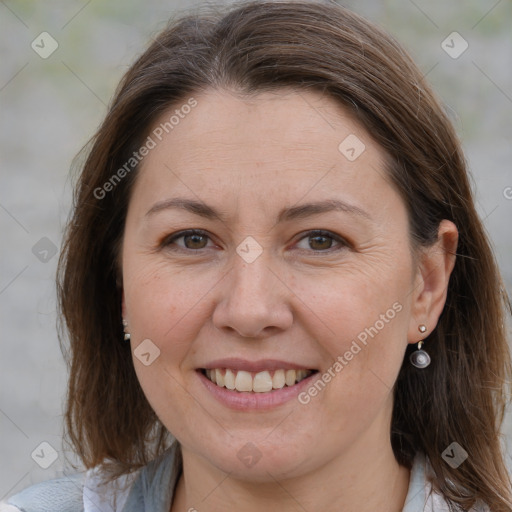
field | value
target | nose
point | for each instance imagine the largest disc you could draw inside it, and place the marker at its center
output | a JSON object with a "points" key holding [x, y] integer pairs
{"points": [[253, 301]]}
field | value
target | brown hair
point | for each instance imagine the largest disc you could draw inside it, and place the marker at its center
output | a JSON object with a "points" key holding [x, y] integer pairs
{"points": [[301, 45]]}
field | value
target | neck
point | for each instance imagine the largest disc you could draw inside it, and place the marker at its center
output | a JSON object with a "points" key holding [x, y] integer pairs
{"points": [[355, 482]]}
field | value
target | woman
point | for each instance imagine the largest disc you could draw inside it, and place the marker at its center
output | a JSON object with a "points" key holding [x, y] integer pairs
{"points": [[222, 358]]}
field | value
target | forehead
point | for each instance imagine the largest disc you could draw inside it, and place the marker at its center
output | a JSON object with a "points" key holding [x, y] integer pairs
{"points": [[280, 143], [263, 124]]}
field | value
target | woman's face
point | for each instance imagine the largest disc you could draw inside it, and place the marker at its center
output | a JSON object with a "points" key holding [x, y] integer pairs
{"points": [[302, 261]]}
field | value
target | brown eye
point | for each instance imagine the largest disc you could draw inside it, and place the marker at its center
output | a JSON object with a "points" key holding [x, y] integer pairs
{"points": [[193, 240], [321, 241]]}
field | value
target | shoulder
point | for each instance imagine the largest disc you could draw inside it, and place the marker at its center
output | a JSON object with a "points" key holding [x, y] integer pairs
{"points": [[89, 491], [421, 495], [148, 488], [63, 494]]}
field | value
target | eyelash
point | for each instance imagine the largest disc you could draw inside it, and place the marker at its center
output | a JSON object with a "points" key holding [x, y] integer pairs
{"points": [[169, 241]]}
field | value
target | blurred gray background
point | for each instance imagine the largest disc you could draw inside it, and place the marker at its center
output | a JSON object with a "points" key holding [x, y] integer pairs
{"points": [[50, 107]]}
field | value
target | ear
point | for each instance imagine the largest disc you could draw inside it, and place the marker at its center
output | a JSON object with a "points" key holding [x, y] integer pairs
{"points": [[435, 264]]}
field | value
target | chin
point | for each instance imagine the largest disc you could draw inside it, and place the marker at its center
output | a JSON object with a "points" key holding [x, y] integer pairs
{"points": [[251, 463]]}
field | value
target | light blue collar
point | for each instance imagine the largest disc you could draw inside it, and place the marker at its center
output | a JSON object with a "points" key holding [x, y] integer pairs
{"points": [[154, 488]]}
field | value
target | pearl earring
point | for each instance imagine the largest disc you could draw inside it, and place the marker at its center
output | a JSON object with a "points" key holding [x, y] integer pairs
{"points": [[419, 358], [127, 335]]}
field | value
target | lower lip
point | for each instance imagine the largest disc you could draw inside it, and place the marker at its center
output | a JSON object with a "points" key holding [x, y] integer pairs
{"points": [[242, 400]]}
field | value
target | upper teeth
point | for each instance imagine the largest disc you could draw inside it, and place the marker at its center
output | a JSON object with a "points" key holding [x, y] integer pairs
{"points": [[260, 382]]}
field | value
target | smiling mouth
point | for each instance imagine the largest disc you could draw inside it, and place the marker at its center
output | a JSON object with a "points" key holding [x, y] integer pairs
{"points": [[256, 382]]}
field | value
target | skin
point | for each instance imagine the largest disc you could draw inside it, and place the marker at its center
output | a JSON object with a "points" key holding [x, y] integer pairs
{"points": [[303, 300]]}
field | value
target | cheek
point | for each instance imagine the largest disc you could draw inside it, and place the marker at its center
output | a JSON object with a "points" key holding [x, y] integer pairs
{"points": [[360, 319], [162, 301], [350, 302], [167, 307]]}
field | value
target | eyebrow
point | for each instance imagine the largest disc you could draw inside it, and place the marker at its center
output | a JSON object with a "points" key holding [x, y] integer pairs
{"points": [[286, 214]]}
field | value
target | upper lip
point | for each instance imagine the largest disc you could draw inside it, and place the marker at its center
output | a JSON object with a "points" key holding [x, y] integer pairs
{"points": [[236, 363]]}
